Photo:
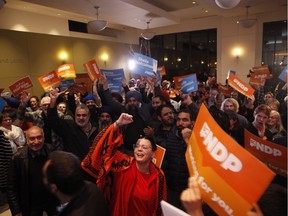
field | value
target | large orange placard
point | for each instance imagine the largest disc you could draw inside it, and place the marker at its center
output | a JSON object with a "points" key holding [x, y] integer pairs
{"points": [[273, 155], [231, 179], [92, 69], [240, 86], [49, 81], [66, 71]]}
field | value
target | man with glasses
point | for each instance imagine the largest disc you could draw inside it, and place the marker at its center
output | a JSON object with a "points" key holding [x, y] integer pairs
{"points": [[26, 192]]}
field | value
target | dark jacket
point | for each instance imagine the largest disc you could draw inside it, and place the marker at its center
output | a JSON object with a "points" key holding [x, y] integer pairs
{"points": [[176, 171], [74, 138], [18, 184], [89, 201]]}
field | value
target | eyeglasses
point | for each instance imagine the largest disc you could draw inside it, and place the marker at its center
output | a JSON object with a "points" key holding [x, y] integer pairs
{"points": [[137, 146]]}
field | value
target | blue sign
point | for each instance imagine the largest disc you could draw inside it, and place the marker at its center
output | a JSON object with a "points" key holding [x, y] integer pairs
{"points": [[189, 84], [66, 84], [114, 79], [144, 65], [159, 77], [283, 75]]}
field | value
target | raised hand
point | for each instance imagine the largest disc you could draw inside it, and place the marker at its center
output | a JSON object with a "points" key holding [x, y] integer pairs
{"points": [[124, 119], [191, 198]]}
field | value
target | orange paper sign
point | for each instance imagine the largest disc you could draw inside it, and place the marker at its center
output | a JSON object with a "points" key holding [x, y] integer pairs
{"points": [[162, 70], [225, 89], [273, 155], [159, 155], [66, 71], [178, 81], [240, 86], [49, 81], [21, 85], [92, 69], [230, 178]]}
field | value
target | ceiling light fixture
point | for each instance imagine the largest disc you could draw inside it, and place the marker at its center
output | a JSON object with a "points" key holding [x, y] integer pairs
{"points": [[2, 3], [147, 35], [247, 23], [96, 25], [227, 4]]}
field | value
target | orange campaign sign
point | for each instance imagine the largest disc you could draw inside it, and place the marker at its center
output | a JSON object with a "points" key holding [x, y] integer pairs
{"points": [[257, 79], [231, 179], [49, 81], [261, 70], [240, 86], [178, 81], [273, 155], [162, 70], [159, 156], [225, 89], [92, 69], [21, 85], [66, 71]]}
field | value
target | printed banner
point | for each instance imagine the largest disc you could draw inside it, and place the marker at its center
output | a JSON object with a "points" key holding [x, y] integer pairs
{"points": [[144, 65], [231, 179], [49, 81], [189, 84], [273, 155], [65, 84], [114, 79], [66, 71], [261, 70], [158, 72], [225, 90], [159, 156], [178, 81], [21, 85], [257, 79], [92, 69], [240, 86], [284, 75], [78, 87]]}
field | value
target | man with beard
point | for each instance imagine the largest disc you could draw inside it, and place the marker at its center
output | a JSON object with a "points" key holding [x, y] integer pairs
{"points": [[141, 117], [78, 134], [105, 117], [175, 166], [165, 114]]}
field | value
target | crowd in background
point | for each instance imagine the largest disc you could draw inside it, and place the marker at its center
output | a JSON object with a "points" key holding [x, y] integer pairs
{"points": [[72, 121]]}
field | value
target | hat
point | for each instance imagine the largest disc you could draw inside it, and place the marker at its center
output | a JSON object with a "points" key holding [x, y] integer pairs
{"points": [[45, 100], [117, 96], [89, 97], [106, 109], [12, 102], [2, 104], [135, 94]]}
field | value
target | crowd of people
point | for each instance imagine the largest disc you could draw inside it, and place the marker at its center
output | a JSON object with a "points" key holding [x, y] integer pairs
{"points": [[75, 153]]}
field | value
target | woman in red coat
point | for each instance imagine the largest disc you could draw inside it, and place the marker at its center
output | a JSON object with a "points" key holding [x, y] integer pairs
{"points": [[136, 185]]}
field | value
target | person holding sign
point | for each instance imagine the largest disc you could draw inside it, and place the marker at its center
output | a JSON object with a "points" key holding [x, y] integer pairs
{"points": [[138, 184], [176, 170]]}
